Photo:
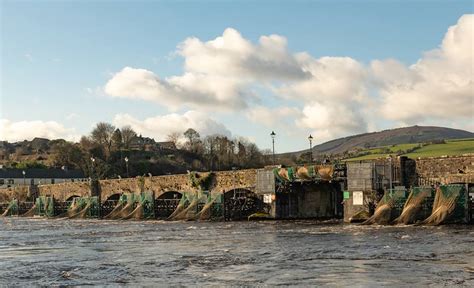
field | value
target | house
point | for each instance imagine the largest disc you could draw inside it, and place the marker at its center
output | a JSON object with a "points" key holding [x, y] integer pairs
{"points": [[17, 177], [142, 143]]}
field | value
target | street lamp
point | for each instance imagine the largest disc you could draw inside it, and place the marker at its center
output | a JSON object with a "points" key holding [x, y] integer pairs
{"points": [[273, 145], [310, 138], [24, 180], [92, 169], [126, 164]]}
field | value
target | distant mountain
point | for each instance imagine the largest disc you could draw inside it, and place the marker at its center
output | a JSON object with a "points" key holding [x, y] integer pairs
{"points": [[414, 134]]}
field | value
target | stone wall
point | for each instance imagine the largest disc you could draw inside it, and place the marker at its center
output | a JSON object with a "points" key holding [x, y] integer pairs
{"points": [[445, 170], [19, 192], [225, 181]]}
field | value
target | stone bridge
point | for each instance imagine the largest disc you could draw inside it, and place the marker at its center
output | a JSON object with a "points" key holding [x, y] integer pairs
{"points": [[225, 181]]}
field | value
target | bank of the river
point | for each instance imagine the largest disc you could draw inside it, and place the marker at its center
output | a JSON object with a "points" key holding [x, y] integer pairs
{"points": [[93, 252]]}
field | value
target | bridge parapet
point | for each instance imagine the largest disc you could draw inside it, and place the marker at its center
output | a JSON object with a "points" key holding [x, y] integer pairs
{"points": [[225, 181]]}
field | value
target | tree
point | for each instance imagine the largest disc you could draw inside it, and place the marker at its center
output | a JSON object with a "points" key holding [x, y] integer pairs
{"points": [[174, 137], [67, 154], [127, 135], [102, 135], [117, 142], [192, 137]]}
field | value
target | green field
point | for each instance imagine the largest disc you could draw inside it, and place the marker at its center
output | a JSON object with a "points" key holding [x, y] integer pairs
{"points": [[450, 148]]}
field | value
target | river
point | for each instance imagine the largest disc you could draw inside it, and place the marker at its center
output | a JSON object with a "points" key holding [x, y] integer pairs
{"points": [[301, 253]]}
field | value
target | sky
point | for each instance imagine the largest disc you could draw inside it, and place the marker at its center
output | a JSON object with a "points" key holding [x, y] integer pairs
{"points": [[237, 68]]}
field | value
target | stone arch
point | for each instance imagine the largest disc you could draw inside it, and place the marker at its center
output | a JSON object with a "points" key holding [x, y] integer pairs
{"points": [[170, 195], [166, 203], [113, 197], [242, 202], [71, 198]]}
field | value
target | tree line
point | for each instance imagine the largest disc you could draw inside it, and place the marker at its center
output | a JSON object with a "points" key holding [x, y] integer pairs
{"points": [[103, 153]]}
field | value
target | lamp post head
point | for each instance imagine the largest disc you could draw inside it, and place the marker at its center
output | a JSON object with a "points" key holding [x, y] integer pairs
{"points": [[23, 172], [126, 159], [310, 138], [92, 159], [273, 134]]}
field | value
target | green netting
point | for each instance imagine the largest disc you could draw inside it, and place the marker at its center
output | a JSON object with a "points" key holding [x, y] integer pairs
{"points": [[148, 204], [12, 208], [311, 171], [277, 175], [83, 207], [389, 207], [417, 206], [449, 206], [291, 173], [183, 202], [93, 211], [45, 206]]}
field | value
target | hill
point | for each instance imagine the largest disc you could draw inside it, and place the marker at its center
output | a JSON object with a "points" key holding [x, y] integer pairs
{"points": [[407, 135], [445, 148]]}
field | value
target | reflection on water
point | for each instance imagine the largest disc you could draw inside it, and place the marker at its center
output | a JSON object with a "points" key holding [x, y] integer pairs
{"points": [[91, 252]]}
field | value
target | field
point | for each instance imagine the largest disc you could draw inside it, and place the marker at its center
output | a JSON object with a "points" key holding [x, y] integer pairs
{"points": [[450, 148]]}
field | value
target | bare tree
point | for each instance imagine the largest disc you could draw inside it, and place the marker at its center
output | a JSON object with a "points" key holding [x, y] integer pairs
{"points": [[127, 135], [174, 137], [102, 135]]}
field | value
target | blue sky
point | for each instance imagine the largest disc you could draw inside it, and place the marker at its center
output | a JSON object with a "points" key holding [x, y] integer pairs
{"points": [[58, 56]]}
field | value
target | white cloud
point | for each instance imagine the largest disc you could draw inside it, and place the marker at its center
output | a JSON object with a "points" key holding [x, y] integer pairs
{"points": [[439, 86], [159, 127], [274, 117], [331, 121], [333, 97], [338, 96], [218, 73], [27, 130]]}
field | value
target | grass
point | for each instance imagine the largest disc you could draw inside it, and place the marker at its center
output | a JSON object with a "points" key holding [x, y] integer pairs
{"points": [[450, 148]]}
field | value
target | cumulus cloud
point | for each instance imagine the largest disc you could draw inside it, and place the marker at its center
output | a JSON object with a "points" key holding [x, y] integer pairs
{"points": [[193, 90], [27, 130], [439, 86], [333, 96], [330, 121], [330, 96], [218, 73], [159, 127]]}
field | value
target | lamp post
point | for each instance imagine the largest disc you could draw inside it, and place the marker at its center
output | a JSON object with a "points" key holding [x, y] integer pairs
{"points": [[310, 138], [126, 165], [24, 179], [273, 145], [92, 170]]}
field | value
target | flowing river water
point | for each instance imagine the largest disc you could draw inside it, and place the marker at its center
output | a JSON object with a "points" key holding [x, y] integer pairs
{"points": [[42, 252]]}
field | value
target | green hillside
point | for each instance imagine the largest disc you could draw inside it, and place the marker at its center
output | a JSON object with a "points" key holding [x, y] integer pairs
{"points": [[415, 150]]}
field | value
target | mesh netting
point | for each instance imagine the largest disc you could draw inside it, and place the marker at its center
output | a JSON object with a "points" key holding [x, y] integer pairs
{"points": [[12, 209], [383, 211], [313, 172], [44, 206], [185, 200], [448, 206], [84, 207], [414, 205]]}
